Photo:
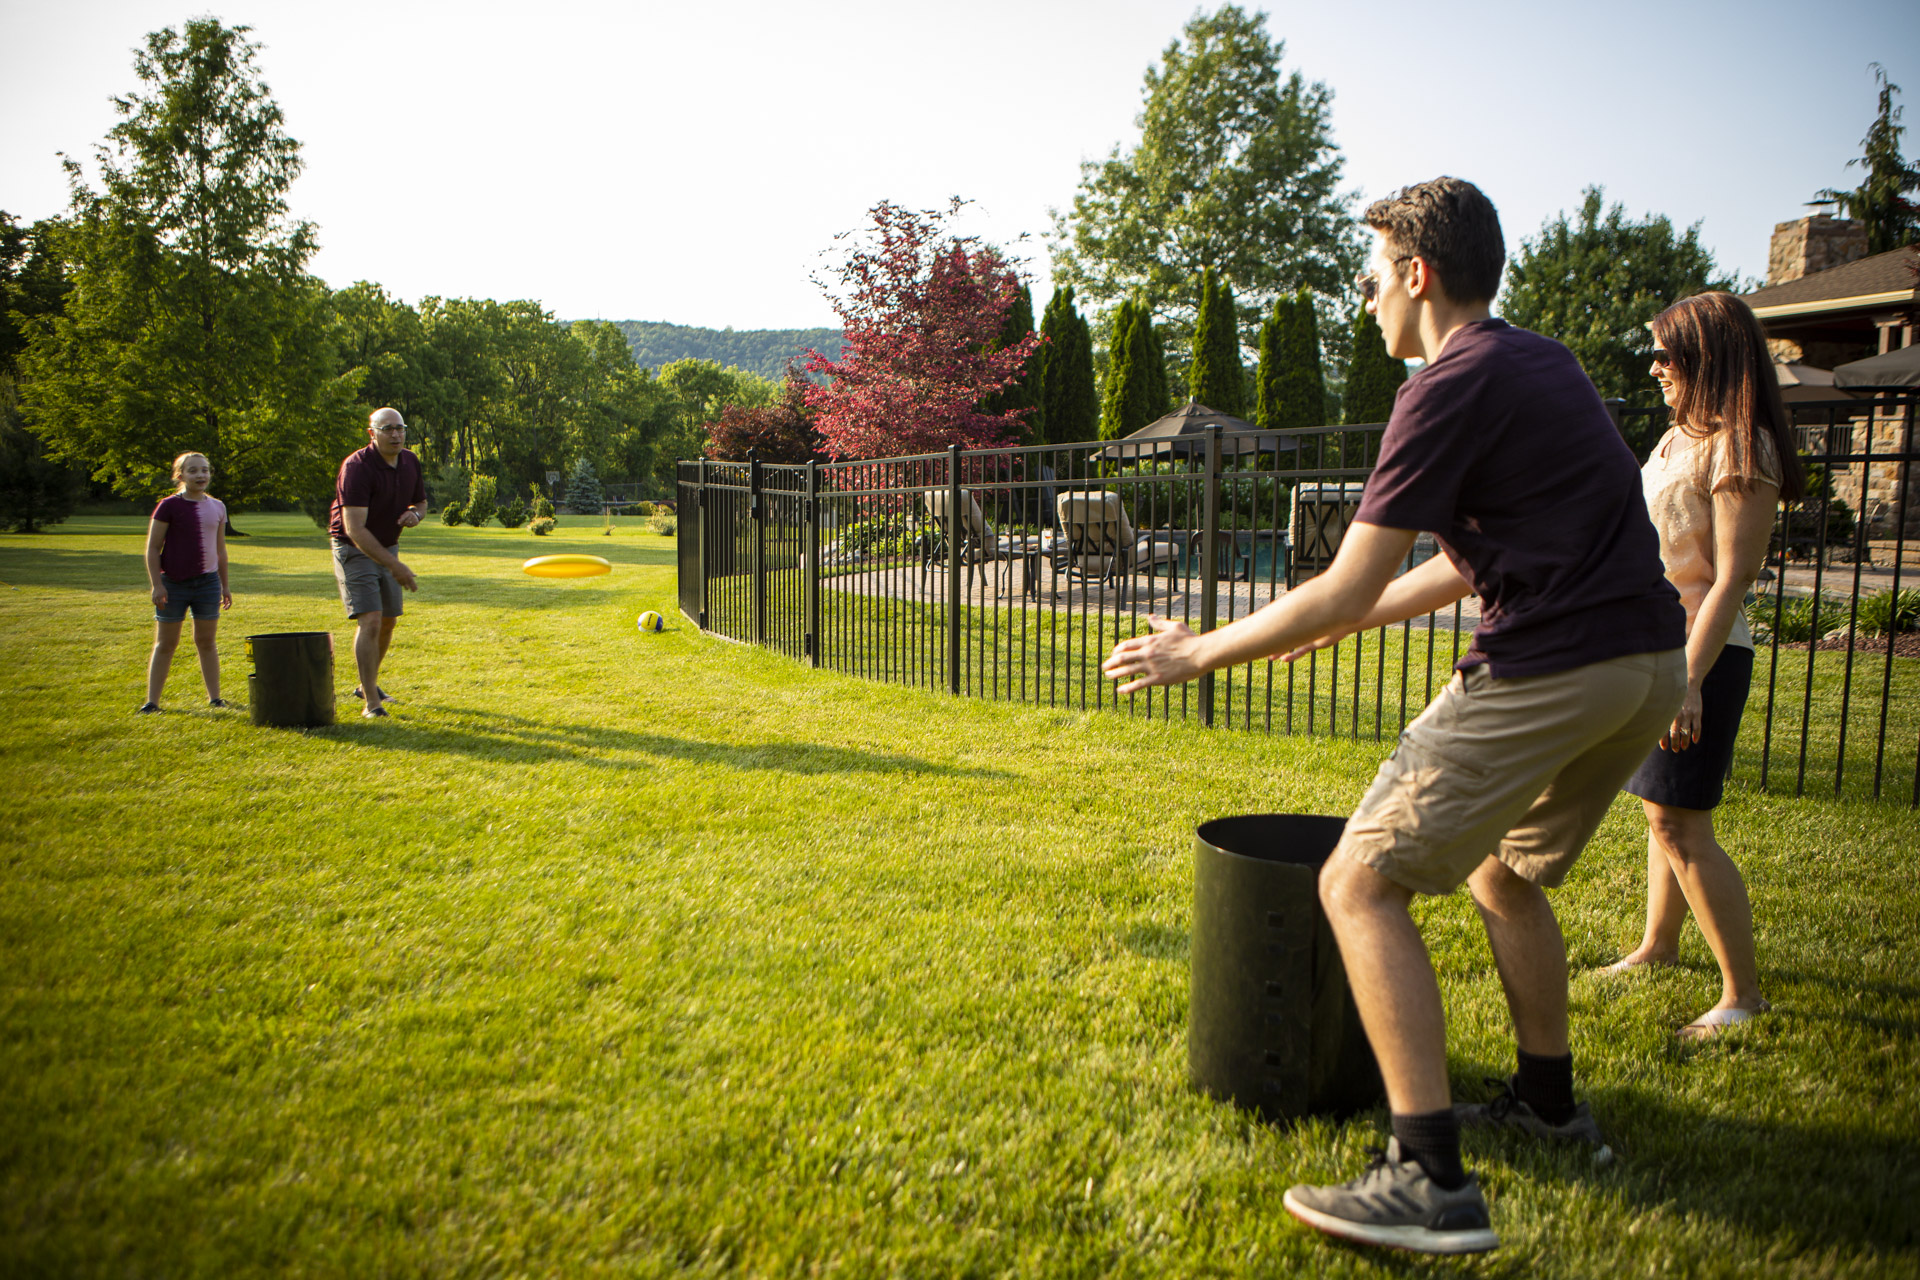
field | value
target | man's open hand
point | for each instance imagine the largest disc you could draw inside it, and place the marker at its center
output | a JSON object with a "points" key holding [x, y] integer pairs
{"points": [[1168, 656]]}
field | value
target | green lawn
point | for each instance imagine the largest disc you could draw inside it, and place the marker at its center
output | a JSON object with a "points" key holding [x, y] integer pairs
{"points": [[643, 955]]}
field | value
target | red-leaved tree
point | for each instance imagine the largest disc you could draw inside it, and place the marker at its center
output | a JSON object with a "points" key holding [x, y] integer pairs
{"points": [[922, 310], [780, 432]]}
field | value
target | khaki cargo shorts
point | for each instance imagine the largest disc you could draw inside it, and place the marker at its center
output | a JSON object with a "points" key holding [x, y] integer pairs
{"points": [[365, 587], [1523, 768]]}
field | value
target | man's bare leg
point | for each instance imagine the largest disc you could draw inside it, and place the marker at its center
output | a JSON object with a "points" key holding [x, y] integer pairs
{"points": [[1393, 982], [1530, 953], [369, 647]]}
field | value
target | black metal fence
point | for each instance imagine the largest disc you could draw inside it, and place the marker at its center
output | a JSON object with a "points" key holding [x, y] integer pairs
{"points": [[1009, 574]]}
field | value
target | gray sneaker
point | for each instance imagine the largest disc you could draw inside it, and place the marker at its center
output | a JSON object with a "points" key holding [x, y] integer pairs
{"points": [[1506, 1111], [1394, 1203]]}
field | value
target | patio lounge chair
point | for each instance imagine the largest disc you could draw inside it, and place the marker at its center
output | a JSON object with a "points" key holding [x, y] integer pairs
{"points": [[978, 544], [1101, 545]]}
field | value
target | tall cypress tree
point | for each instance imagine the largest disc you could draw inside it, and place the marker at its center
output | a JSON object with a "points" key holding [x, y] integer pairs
{"points": [[1306, 344], [1070, 400], [1157, 390], [1124, 404], [1024, 391], [1373, 376], [1206, 319], [1267, 397], [1216, 379], [1118, 345], [1229, 372], [1301, 392]]}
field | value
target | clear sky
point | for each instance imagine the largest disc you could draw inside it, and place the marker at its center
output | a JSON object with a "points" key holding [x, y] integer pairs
{"points": [[690, 162]]}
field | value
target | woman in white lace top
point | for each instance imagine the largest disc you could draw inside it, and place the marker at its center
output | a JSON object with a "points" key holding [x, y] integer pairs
{"points": [[1712, 485]]}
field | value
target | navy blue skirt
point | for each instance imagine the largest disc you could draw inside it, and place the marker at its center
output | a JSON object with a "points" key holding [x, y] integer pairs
{"points": [[1695, 778]]}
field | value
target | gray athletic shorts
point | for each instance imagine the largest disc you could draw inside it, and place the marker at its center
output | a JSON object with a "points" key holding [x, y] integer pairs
{"points": [[365, 587]]}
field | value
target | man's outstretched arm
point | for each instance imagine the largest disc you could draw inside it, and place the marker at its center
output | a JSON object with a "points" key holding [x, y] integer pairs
{"points": [[1336, 601]]}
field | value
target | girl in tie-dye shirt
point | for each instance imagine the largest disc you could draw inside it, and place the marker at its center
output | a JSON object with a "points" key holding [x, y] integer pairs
{"points": [[187, 569]]}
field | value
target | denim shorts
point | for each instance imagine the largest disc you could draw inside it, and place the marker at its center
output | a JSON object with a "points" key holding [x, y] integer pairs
{"points": [[201, 594]]}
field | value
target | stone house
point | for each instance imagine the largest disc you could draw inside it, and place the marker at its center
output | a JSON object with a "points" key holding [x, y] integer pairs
{"points": [[1827, 302]]}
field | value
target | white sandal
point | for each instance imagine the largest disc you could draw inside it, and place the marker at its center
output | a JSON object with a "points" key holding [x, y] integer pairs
{"points": [[1714, 1021]]}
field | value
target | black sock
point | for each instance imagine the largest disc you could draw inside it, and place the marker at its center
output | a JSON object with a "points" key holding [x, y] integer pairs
{"points": [[1433, 1139], [1546, 1085]]}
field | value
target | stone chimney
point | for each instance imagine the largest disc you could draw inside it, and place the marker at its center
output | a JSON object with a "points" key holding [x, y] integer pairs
{"points": [[1812, 244]]}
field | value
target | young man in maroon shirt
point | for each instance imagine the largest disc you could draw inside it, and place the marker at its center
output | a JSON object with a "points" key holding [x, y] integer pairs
{"points": [[1502, 449], [379, 492]]}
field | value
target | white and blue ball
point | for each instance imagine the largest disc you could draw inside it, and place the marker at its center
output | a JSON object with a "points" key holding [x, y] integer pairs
{"points": [[651, 621]]}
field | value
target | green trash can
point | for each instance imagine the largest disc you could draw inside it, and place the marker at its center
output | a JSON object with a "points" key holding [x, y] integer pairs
{"points": [[292, 682], [1272, 1025]]}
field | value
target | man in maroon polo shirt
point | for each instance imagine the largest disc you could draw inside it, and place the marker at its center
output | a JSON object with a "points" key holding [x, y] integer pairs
{"points": [[380, 491], [1502, 449]]}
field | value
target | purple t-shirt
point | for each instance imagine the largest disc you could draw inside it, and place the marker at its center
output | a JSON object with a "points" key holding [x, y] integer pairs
{"points": [[385, 491], [192, 544], [1502, 450]]}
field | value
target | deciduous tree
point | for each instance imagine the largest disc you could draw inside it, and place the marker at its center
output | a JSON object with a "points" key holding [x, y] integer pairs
{"points": [[193, 324], [1235, 170], [35, 490], [779, 432], [921, 308], [1593, 283]]}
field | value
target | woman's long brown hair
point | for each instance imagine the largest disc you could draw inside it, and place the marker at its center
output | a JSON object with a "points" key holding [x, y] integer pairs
{"points": [[1727, 383]]}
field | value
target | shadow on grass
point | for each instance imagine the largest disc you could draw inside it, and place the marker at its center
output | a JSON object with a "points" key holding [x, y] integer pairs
{"points": [[109, 573], [1848, 1190], [499, 737], [1157, 941]]}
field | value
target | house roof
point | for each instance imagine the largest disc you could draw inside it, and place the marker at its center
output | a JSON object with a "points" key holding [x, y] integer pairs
{"points": [[1885, 279]]}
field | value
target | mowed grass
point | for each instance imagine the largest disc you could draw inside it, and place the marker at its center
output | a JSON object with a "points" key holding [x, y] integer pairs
{"points": [[616, 954]]}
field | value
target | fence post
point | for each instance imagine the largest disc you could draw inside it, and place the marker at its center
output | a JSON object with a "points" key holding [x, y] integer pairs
{"points": [[700, 532], [757, 512], [813, 562], [953, 569], [1614, 406], [1210, 564]]}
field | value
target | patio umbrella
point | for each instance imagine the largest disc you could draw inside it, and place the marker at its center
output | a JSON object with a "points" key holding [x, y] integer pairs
{"points": [[1184, 432], [1895, 369], [1803, 382]]}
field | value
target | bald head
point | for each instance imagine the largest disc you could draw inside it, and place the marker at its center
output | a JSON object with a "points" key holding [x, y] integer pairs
{"points": [[388, 432]]}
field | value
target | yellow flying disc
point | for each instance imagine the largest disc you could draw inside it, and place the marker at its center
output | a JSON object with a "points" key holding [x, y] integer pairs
{"points": [[567, 566]]}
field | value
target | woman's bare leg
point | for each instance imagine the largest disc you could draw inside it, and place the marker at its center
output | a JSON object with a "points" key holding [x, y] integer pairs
{"points": [[1717, 895], [1666, 907]]}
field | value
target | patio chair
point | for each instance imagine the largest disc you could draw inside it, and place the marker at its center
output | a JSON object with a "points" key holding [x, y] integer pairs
{"points": [[979, 545], [1100, 543]]}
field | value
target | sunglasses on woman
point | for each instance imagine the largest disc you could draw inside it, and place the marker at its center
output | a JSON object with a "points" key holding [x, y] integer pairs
{"points": [[1663, 357]]}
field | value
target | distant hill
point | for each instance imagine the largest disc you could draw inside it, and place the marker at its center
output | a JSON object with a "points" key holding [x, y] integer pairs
{"points": [[761, 351]]}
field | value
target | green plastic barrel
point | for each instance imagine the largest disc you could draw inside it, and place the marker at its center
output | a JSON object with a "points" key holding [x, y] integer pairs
{"points": [[1272, 1025], [292, 682]]}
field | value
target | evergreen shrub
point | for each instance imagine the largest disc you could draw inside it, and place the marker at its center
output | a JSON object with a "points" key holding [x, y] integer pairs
{"points": [[452, 514], [542, 526], [513, 514], [480, 501]]}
